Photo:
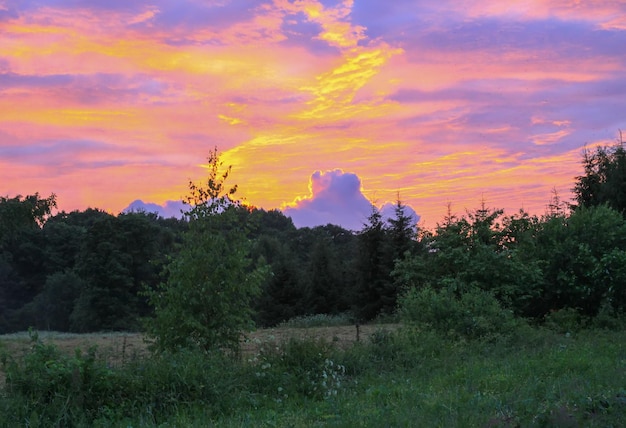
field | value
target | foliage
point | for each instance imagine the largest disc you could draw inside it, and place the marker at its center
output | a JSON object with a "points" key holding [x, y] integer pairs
{"points": [[298, 368], [531, 266], [283, 293], [379, 247], [48, 388], [24, 212], [21, 255], [206, 300], [312, 269], [52, 308], [83, 271], [402, 232], [583, 258], [483, 250], [604, 181], [323, 285], [566, 321], [474, 314], [55, 387]]}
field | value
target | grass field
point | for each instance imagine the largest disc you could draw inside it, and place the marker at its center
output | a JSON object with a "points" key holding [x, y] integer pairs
{"points": [[322, 377], [117, 347]]}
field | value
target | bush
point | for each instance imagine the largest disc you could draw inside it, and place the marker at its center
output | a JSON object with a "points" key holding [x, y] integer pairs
{"points": [[165, 382], [609, 319], [51, 389], [298, 368], [475, 314], [404, 348], [566, 320], [55, 389]]}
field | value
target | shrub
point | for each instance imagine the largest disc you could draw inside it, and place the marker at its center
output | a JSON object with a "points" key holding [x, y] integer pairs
{"points": [[474, 314], [566, 320], [298, 368], [51, 389], [609, 319], [57, 389], [391, 349], [164, 382]]}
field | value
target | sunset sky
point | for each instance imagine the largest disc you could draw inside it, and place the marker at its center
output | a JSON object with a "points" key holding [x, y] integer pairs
{"points": [[321, 107]]}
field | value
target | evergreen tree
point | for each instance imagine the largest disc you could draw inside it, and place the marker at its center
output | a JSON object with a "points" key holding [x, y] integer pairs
{"points": [[402, 232], [374, 287]]}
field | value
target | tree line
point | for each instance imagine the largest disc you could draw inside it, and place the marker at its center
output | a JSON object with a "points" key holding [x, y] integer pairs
{"points": [[92, 271]]}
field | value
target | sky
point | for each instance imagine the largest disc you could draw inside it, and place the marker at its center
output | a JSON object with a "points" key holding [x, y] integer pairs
{"points": [[322, 108]]}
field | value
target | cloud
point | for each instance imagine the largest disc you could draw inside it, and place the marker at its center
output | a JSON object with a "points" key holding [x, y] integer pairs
{"points": [[388, 211], [336, 197], [447, 101], [167, 210], [53, 152]]}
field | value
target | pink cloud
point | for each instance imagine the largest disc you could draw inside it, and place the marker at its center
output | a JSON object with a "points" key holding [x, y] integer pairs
{"points": [[335, 198]]}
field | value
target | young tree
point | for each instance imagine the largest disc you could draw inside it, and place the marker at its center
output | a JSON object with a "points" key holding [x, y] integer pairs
{"points": [[206, 301]]}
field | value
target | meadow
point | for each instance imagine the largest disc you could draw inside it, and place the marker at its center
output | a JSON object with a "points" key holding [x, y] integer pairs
{"points": [[321, 376]]}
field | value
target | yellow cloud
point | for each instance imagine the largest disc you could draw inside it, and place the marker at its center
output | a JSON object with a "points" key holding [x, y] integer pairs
{"points": [[334, 91], [230, 120]]}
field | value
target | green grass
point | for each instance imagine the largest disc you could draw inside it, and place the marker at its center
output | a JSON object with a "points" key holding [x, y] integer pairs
{"points": [[548, 380], [533, 378], [319, 320]]}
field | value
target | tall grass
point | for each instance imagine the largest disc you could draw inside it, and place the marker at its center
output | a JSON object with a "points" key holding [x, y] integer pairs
{"points": [[406, 377]]}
